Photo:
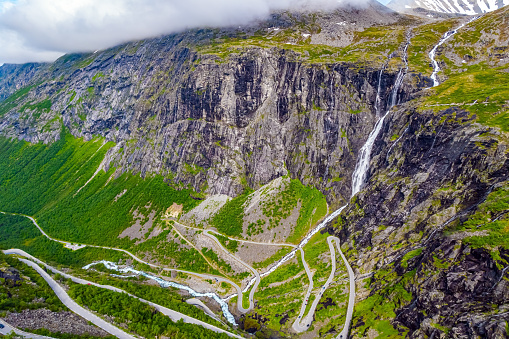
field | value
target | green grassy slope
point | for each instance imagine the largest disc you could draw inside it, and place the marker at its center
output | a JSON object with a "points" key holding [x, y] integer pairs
{"points": [[44, 180]]}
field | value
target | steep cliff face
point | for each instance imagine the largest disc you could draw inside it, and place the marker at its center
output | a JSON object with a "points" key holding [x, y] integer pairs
{"points": [[209, 123], [15, 77], [431, 173], [222, 112]]}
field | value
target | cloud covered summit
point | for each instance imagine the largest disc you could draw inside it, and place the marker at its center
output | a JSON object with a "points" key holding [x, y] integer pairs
{"points": [[42, 30]]}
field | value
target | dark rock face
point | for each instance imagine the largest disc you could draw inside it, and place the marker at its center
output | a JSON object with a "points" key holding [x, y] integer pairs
{"points": [[219, 123], [11, 274], [247, 118], [15, 77], [430, 172], [464, 295]]}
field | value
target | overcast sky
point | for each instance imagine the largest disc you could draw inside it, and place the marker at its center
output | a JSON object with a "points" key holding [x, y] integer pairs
{"points": [[43, 30]]}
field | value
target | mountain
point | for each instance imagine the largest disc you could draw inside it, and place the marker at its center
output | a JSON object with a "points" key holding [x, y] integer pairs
{"points": [[250, 159], [468, 7]]}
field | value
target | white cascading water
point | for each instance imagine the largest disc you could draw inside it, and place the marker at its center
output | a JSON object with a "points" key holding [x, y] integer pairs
{"points": [[433, 52], [362, 167], [166, 284], [378, 100], [360, 173], [359, 176]]}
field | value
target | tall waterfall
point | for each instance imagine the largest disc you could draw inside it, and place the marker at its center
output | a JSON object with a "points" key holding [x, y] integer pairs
{"points": [[362, 166], [361, 170]]}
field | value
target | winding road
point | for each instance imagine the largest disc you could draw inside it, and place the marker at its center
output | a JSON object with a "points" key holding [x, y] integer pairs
{"points": [[64, 297], [255, 273], [234, 239], [302, 324], [8, 329], [297, 326], [72, 305], [199, 275], [351, 298]]}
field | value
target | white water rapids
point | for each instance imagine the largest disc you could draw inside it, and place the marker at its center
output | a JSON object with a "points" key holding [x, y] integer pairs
{"points": [[165, 284]]}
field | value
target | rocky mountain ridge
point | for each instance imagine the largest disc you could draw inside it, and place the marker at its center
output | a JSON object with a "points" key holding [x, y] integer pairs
{"points": [[227, 112], [466, 7]]}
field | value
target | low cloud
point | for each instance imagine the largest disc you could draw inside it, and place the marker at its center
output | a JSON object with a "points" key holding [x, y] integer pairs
{"points": [[42, 30]]}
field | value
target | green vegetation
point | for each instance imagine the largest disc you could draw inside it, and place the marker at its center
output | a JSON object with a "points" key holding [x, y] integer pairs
{"points": [[45, 181], [221, 264], [332, 307], [423, 40], [314, 208], [20, 232], [230, 245], [230, 218], [410, 255], [85, 61], [12, 101], [492, 219], [97, 76], [481, 90], [314, 252], [377, 311], [39, 108], [251, 324], [167, 297], [373, 44], [138, 317], [27, 290], [166, 249], [491, 30], [56, 184], [279, 302], [30, 292]]}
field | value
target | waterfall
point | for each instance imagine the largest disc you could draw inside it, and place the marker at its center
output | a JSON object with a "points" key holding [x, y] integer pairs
{"points": [[359, 175], [433, 52], [362, 167], [378, 100]]}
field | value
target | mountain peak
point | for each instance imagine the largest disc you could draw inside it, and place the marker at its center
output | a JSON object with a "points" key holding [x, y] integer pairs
{"points": [[468, 7]]}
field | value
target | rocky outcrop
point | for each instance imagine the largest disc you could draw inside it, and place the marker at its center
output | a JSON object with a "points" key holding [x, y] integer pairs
{"points": [[55, 322], [430, 173], [213, 123], [15, 77]]}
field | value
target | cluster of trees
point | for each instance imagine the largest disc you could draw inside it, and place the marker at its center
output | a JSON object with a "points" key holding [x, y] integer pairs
{"points": [[43, 181], [230, 218], [167, 297], [231, 245], [20, 232], [166, 248], [139, 317], [314, 207], [30, 292]]}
